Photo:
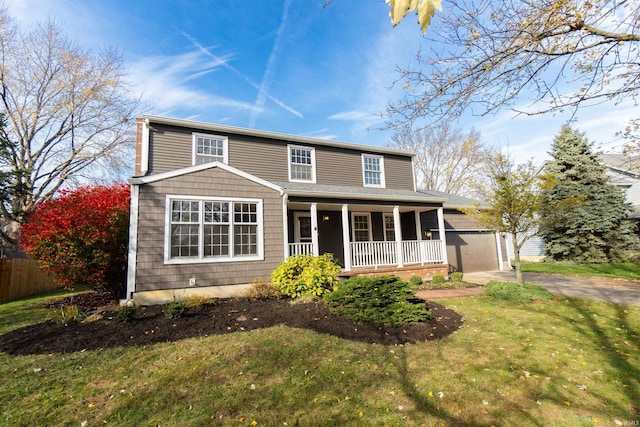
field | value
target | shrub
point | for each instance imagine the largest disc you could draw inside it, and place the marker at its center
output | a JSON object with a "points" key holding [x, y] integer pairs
{"points": [[174, 309], [126, 313], [510, 291], [437, 279], [196, 301], [457, 276], [385, 300], [415, 281], [67, 314], [261, 290], [305, 275], [81, 237]]}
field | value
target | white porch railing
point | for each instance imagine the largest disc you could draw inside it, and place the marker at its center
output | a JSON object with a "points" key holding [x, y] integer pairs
{"points": [[300, 249], [422, 252], [373, 254], [377, 254]]}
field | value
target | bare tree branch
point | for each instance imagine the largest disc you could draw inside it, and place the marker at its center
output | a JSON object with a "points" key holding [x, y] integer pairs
{"points": [[446, 159], [486, 55], [67, 111]]}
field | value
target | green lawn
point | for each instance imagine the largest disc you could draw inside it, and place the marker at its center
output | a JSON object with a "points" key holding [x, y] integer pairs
{"points": [[558, 363], [627, 270]]}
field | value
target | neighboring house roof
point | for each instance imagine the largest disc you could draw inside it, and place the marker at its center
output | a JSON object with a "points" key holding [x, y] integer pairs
{"points": [[357, 193], [274, 135], [623, 171], [454, 201]]}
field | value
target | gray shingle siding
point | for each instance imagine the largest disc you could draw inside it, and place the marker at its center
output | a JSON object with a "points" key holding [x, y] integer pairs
{"points": [[170, 148], [153, 274]]}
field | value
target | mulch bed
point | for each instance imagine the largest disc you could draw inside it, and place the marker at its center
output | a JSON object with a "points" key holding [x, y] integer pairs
{"points": [[222, 316]]}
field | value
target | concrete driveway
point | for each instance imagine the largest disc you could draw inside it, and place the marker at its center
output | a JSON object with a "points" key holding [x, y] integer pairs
{"points": [[617, 291]]}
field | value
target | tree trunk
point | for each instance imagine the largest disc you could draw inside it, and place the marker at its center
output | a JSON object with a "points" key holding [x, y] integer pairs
{"points": [[516, 253]]}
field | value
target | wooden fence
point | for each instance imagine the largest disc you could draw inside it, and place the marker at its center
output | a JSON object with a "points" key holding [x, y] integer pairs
{"points": [[22, 277]]}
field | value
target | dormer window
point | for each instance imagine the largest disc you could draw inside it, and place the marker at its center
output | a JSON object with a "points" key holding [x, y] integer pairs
{"points": [[210, 148], [373, 170], [302, 164]]}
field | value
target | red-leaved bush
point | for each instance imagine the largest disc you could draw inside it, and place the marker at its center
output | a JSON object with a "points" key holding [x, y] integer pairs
{"points": [[81, 237]]}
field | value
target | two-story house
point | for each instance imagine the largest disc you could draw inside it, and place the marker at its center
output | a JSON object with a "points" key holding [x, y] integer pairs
{"points": [[216, 207]]}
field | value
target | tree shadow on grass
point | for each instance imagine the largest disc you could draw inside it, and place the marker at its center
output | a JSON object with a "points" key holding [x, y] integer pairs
{"points": [[586, 325], [619, 360], [427, 405]]}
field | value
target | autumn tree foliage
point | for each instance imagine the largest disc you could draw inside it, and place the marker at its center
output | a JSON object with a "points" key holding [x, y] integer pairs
{"points": [[512, 203], [81, 237], [66, 115]]}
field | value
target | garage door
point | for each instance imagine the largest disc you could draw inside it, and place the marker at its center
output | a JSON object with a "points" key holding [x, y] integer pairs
{"points": [[472, 251]]}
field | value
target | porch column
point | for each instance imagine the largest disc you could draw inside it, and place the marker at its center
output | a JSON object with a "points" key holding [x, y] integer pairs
{"points": [[443, 236], [345, 238], [398, 232], [419, 236], [314, 229]]}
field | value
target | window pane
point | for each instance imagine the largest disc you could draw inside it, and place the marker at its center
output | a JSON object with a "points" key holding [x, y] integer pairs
{"points": [[389, 228], [216, 212], [302, 172], [245, 240], [245, 213], [361, 228], [184, 241], [185, 211], [216, 240], [372, 178]]}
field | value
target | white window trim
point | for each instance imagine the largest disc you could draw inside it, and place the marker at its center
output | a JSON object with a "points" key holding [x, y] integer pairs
{"points": [[194, 146], [206, 260], [384, 226], [313, 162], [382, 174], [353, 228]]}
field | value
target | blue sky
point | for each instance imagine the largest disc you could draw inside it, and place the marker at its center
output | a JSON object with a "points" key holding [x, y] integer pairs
{"points": [[290, 66]]}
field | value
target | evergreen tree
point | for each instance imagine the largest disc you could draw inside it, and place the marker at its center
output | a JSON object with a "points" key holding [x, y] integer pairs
{"points": [[583, 217]]}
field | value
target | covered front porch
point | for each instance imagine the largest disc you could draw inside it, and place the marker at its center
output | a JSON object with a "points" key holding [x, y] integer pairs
{"points": [[365, 237]]}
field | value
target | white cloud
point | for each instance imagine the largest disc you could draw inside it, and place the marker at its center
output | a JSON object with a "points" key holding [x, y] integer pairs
{"points": [[162, 82], [238, 73], [353, 116], [274, 59], [321, 134], [527, 137]]}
